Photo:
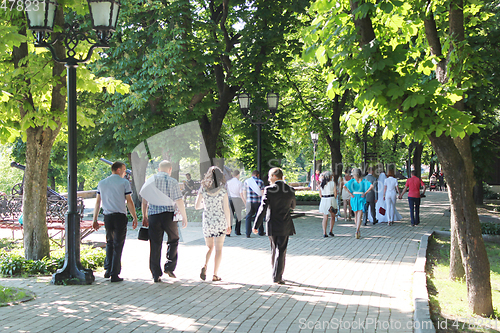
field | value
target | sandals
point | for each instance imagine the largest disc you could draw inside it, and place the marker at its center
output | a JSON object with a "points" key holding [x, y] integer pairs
{"points": [[203, 274], [216, 278]]}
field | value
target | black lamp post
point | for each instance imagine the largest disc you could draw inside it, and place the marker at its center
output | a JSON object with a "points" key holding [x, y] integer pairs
{"points": [[258, 117], [104, 14], [314, 138]]}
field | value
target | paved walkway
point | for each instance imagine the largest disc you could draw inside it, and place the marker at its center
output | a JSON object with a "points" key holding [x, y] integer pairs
{"points": [[334, 284]]}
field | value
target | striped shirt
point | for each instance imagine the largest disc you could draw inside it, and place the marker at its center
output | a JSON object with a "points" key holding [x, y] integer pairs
{"points": [[253, 197], [170, 187]]}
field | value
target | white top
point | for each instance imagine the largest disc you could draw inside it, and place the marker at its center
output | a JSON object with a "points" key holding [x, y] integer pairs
{"points": [[391, 184], [234, 188]]}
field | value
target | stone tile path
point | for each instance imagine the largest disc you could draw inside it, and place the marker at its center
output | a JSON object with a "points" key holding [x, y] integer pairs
{"points": [[334, 284]]}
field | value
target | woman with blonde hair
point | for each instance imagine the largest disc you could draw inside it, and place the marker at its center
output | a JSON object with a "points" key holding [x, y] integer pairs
{"points": [[328, 204], [357, 188], [216, 222]]}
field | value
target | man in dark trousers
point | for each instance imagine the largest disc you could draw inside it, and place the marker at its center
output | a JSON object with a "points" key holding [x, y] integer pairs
{"points": [[252, 195], [279, 199], [371, 197], [159, 218], [114, 192]]}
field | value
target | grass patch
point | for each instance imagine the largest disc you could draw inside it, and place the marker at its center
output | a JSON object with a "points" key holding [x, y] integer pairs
{"points": [[10, 296], [448, 299]]}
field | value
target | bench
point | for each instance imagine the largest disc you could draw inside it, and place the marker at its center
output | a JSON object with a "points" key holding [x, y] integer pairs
{"points": [[11, 209]]}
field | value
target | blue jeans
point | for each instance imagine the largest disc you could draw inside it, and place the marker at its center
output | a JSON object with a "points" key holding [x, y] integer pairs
{"points": [[414, 210]]}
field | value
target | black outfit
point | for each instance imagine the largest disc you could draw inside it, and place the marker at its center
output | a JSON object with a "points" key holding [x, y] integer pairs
{"points": [[188, 188], [252, 208], [237, 206], [159, 223], [370, 198], [279, 199], [116, 232]]}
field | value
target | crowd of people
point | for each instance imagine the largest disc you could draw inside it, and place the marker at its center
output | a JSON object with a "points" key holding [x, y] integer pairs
{"points": [[369, 199], [371, 196]]}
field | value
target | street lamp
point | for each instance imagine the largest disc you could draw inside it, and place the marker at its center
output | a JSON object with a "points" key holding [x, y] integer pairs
{"points": [[258, 117], [314, 138], [104, 14]]}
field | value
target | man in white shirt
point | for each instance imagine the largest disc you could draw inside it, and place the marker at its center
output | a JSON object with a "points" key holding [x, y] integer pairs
{"points": [[235, 192]]}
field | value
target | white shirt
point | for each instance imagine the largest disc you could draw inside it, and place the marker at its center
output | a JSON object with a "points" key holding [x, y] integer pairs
{"points": [[234, 187], [391, 184]]}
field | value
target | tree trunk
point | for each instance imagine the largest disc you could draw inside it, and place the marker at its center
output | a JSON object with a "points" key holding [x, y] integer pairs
{"points": [[460, 181], [479, 192], [39, 142], [333, 140], [81, 185], [417, 159], [457, 270]]}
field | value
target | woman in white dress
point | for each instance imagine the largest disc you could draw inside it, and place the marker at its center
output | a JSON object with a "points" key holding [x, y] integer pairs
{"points": [[390, 190], [381, 202], [216, 223], [346, 198], [328, 204]]}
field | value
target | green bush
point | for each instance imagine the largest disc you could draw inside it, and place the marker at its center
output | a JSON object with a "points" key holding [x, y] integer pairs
{"points": [[307, 195], [490, 228], [12, 263]]}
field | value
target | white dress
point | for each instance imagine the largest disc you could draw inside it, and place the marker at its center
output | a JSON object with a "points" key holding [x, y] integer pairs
{"points": [[381, 203], [345, 194], [325, 203]]}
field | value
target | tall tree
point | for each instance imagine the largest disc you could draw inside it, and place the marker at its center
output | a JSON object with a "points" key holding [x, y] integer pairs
{"points": [[187, 60], [411, 77], [33, 103]]}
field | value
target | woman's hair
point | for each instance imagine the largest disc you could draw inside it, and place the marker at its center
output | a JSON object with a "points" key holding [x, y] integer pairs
{"points": [[356, 172], [390, 173], [327, 176], [213, 178]]}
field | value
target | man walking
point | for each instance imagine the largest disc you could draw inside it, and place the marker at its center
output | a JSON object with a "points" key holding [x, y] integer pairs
{"points": [[235, 191], [279, 199], [159, 218], [252, 194], [413, 185], [371, 197], [113, 192]]}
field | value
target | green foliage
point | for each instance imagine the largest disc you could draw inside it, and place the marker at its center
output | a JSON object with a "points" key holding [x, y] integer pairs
{"points": [[394, 73], [12, 262], [307, 195], [490, 228], [10, 295], [8, 176]]}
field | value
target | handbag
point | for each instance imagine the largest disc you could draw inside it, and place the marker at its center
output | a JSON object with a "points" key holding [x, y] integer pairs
{"points": [[381, 210], [143, 234], [333, 210]]}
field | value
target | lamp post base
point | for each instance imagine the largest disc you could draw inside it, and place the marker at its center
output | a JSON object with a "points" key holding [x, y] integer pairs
{"points": [[73, 276], [72, 271]]}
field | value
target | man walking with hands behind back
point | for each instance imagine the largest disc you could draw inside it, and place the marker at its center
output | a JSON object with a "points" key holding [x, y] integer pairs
{"points": [[159, 218], [279, 199], [114, 191], [371, 197]]}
